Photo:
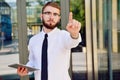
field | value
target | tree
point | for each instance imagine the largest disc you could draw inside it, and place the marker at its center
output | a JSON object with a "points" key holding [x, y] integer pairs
{"points": [[78, 9]]}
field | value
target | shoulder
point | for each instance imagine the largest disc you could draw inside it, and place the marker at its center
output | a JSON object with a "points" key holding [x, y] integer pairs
{"points": [[62, 31], [35, 38]]}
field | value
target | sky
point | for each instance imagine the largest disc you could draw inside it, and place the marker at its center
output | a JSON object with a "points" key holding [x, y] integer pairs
{"points": [[12, 3], [10, 0]]}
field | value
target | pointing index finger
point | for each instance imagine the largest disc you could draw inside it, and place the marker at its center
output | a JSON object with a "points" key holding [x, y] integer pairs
{"points": [[70, 16]]}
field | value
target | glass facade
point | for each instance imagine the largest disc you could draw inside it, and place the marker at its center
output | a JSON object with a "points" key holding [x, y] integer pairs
{"points": [[108, 40], [9, 51]]}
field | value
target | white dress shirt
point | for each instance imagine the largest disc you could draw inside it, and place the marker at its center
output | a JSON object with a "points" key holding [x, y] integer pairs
{"points": [[59, 47]]}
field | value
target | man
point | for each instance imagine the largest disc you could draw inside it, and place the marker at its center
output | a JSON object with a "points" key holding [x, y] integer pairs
{"points": [[59, 44]]}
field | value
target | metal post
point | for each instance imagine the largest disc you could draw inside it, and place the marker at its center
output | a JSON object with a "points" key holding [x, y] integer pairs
{"points": [[22, 33], [110, 76], [64, 20], [64, 12]]}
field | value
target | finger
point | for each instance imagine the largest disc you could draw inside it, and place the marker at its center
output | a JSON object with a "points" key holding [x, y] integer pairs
{"points": [[18, 70], [70, 17], [22, 69], [79, 26], [26, 70], [76, 23]]}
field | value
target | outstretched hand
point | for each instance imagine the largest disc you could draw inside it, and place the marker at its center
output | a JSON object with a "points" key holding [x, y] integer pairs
{"points": [[73, 26]]}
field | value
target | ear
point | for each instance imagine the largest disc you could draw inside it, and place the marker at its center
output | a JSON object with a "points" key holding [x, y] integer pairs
{"points": [[41, 17]]}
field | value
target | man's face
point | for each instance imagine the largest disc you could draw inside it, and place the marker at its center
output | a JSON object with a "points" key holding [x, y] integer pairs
{"points": [[50, 17]]}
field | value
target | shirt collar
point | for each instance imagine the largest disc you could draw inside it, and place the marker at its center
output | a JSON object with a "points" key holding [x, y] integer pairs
{"points": [[51, 32]]}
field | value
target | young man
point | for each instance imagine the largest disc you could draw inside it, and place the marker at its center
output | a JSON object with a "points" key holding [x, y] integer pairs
{"points": [[59, 45]]}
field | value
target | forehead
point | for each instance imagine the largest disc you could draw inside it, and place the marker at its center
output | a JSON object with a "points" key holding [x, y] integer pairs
{"points": [[51, 9]]}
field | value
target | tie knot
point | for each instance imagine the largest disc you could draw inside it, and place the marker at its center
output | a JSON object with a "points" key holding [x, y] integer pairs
{"points": [[46, 35]]}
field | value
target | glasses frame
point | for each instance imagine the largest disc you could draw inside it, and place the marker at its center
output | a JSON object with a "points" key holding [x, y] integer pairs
{"points": [[50, 13]]}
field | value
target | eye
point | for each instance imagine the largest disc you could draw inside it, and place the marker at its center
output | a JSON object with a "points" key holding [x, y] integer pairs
{"points": [[56, 14], [47, 13], [50, 13]]}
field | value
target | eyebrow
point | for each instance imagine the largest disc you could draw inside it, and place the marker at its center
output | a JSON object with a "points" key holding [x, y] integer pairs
{"points": [[51, 12]]}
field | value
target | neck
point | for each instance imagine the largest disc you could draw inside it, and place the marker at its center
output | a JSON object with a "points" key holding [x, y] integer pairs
{"points": [[46, 30]]}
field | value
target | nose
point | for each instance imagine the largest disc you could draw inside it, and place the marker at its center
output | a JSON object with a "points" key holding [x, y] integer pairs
{"points": [[51, 15]]}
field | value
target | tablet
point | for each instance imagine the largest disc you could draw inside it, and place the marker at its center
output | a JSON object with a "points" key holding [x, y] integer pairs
{"points": [[30, 69]]}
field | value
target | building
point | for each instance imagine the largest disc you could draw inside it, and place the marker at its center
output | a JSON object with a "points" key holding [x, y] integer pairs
{"points": [[5, 21]]}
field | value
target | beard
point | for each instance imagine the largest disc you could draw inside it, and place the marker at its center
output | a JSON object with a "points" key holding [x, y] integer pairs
{"points": [[49, 26]]}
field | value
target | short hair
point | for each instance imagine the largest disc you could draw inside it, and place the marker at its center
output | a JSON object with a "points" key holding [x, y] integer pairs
{"points": [[52, 4]]}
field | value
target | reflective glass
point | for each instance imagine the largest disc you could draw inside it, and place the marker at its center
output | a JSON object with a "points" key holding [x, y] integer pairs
{"points": [[79, 71], [108, 40], [8, 39]]}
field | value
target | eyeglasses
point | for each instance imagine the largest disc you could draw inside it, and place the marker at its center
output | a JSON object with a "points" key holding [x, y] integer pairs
{"points": [[49, 13]]}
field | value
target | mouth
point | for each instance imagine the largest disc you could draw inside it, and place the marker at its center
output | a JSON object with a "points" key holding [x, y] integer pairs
{"points": [[51, 22]]}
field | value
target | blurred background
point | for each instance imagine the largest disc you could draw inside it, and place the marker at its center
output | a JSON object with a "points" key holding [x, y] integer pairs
{"points": [[97, 57]]}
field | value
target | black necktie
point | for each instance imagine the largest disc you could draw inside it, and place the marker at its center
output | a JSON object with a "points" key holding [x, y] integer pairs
{"points": [[44, 69]]}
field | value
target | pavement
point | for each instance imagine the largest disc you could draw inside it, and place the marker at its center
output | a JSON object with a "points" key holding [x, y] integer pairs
{"points": [[6, 60], [8, 55]]}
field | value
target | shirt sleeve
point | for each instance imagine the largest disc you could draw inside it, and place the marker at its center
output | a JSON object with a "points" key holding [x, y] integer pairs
{"points": [[69, 42], [30, 57]]}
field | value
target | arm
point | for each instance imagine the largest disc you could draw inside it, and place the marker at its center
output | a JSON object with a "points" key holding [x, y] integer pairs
{"points": [[22, 71]]}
